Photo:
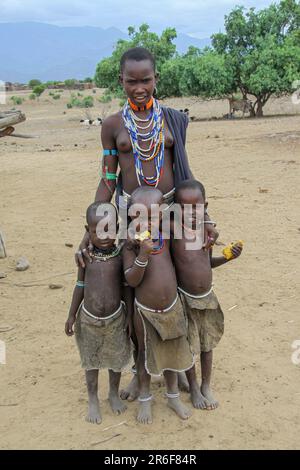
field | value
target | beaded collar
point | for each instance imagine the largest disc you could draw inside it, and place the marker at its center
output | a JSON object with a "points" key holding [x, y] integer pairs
{"points": [[141, 108], [100, 254]]}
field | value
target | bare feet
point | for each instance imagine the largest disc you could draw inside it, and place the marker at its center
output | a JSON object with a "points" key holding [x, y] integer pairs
{"points": [[180, 409], [94, 415], [117, 406], [183, 384], [198, 400], [131, 392], [206, 392], [145, 413]]}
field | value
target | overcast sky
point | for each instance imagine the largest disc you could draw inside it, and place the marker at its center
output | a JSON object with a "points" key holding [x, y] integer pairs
{"points": [[199, 18]]}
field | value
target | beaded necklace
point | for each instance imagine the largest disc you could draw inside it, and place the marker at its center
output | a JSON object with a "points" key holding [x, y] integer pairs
{"points": [[103, 255], [158, 249], [155, 136]]}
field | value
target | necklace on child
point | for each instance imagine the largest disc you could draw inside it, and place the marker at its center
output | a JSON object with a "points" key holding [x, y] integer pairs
{"points": [[100, 254], [158, 249], [153, 135]]}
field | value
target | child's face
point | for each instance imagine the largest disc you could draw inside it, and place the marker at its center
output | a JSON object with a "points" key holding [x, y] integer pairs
{"points": [[192, 206], [106, 241], [138, 80], [151, 220]]}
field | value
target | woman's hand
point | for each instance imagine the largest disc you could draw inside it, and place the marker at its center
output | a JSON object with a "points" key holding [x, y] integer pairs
{"points": [[84, 251]]}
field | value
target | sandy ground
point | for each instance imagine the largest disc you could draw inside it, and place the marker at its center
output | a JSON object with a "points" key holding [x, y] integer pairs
{"points": [[251, 172]]}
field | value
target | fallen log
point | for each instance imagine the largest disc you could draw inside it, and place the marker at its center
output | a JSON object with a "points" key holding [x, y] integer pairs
{"points": [[2, 247], [11, 118]]}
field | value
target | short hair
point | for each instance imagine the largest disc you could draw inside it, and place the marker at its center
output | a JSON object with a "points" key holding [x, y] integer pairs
{"points": [[138, 54], [147, 192], [189, 184], [91, 212]]}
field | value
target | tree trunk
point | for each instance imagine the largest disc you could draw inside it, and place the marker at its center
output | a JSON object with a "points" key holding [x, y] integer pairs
{"points": [[11, 118], [2, 247], [259, 108]]}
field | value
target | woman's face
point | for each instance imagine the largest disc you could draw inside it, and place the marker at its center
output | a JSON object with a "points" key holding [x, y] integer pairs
{"points": [[138, 80]]}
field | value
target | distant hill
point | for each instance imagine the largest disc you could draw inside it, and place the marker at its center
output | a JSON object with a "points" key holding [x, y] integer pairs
{"points": [[48, 52]]}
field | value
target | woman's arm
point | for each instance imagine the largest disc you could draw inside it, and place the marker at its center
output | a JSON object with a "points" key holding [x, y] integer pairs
{"points": [[110, 161], [107, 183]]}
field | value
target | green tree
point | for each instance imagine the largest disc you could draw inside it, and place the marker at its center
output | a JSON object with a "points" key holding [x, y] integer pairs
{"points": [[34, 82], [107, 71], [69, 83], [262, 49], [206, 75], [38, 90]]}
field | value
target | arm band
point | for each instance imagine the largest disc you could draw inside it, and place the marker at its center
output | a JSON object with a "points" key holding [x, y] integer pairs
{"points": [[107, 152], [80, 284], [109, 176]]}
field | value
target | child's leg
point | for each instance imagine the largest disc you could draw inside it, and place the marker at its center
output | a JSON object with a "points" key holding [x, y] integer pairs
{"points": [[183, 383], [206, 369], [198, 400], [116, 404], [93, 415], [173, 395], [144, 379], [131, 392]]}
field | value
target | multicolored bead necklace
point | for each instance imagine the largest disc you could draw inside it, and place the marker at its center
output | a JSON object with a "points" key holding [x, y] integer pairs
{"points": [[155, 135], [158, 249], [103, 255]]}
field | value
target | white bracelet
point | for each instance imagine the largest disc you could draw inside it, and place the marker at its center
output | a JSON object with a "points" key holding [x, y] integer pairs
{"points": [[173, 395], [210, 222], [141, 264], [144, 400]]}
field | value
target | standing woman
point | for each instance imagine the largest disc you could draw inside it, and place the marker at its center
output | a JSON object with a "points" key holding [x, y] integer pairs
{"points": [[146, 140]]}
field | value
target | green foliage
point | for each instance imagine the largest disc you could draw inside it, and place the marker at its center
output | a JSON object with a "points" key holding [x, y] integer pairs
{"points": [[262, 50], [86, 102], [105, 98], [258, 54], [69, 83], [88, 80], [108, 70], [206, 75], [38, 90], [32, 96], [34, 82], [56, 97], [17, 100]]}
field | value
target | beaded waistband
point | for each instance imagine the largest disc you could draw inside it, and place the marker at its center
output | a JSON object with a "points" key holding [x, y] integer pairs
{"points": [[102, 318], [196, 296], [143, 307]]}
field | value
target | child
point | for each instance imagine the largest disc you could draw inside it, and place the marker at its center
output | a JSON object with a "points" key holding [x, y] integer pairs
{"points": [[194, 277], [159, 318], [99, 313]]}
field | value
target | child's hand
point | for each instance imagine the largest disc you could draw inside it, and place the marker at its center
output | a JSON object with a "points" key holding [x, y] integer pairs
{"points": [[146, 247], [236, 251], [69, 326]]}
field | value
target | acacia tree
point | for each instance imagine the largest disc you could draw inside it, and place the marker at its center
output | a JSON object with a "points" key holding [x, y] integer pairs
{"points": [[162, 47], [262, 49]]}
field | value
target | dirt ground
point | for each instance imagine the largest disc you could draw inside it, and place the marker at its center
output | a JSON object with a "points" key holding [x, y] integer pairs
{"points": [[251, 172]]}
